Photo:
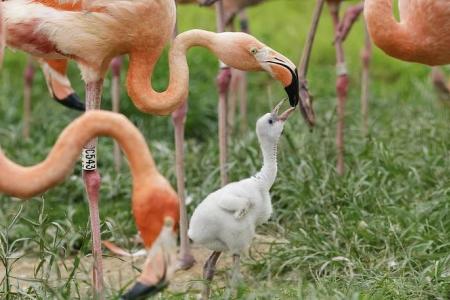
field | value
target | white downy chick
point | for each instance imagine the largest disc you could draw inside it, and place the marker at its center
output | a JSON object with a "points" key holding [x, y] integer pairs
{"points": [[227, 218]]}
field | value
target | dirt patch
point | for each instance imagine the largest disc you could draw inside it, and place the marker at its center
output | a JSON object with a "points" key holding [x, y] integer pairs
{"points": [[122, 271]]}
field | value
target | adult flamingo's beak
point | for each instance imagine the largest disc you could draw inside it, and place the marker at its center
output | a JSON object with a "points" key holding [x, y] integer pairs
{"points": [[71, 101], [59, 85], [286, 72], [158, 267]]}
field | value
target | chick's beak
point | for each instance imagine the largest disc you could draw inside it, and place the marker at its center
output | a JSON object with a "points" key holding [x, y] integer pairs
{"points": [[277, 108], [283, 117], [161, 259]]}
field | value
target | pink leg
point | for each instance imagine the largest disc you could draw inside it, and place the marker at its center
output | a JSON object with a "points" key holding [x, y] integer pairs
{"points": [[92, 182], [365, 56], [223, 82], [350, 17], [28, 81], [238, 86], [232, 100], [232, 94], [116, 64], [242, 88], [243, 103], [186, 260], [237, 93], [341, 90]]}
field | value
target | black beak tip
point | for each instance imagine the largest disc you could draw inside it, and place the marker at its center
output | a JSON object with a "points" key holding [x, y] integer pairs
{"points": [[142, 291], [292, 92], [72, 101], [293, 89]]}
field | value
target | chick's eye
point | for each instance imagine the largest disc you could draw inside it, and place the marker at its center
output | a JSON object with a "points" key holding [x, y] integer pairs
{"points": [[254, 50], [270, 121]]}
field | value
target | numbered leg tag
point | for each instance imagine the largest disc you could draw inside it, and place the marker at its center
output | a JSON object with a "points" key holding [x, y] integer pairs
{"points": [[89, 159]]}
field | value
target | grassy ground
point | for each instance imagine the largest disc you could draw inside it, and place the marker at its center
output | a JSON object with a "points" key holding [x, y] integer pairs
{"points": [[380, 232]]}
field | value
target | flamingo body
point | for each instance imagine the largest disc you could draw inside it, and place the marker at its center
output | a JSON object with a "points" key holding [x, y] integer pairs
{"points": [[92, 38], [422, 35]]}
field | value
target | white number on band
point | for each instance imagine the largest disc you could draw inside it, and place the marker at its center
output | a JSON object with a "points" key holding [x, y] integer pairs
{"points": [[88, 159]]}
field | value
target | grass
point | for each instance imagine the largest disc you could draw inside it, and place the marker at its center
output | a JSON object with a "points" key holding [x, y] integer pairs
{"points": [[379, 232]]}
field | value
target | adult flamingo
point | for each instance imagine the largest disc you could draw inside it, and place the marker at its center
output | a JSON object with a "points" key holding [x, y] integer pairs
{"points": [[153, 199], [58, 85], [422, 35], [141, 29]]}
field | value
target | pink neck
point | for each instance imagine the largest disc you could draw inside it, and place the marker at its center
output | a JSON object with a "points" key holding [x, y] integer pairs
{"points": [[142, 65], [25, 182]]}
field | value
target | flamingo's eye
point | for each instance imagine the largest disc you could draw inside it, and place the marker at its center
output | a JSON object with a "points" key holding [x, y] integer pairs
{"points": [[254, 50]]}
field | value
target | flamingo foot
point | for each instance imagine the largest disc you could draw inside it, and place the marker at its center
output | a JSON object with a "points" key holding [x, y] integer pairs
{"points": [[186, 262]]}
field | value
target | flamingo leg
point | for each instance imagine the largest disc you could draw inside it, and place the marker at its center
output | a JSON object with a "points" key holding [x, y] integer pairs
{"points": [[238, 86], [116, 64], [305, 97], [242, 88], [365, 56], [28, 80], [92, 181], [223, 83], [232, 94], [349, 18], [208, 273], [341, 90], [232, 101], [186, 259]]}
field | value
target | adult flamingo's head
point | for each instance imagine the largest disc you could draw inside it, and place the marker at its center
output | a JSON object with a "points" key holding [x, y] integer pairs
{"points": [[243, 51], [156, 211]]}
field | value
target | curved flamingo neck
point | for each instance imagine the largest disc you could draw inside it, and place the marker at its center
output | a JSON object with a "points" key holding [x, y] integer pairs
{"points": [[392, 37], [141, 67], [25, 182]]}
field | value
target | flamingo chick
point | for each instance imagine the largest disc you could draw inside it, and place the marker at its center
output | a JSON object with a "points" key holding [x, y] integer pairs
{"points": [[226, 219]]}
